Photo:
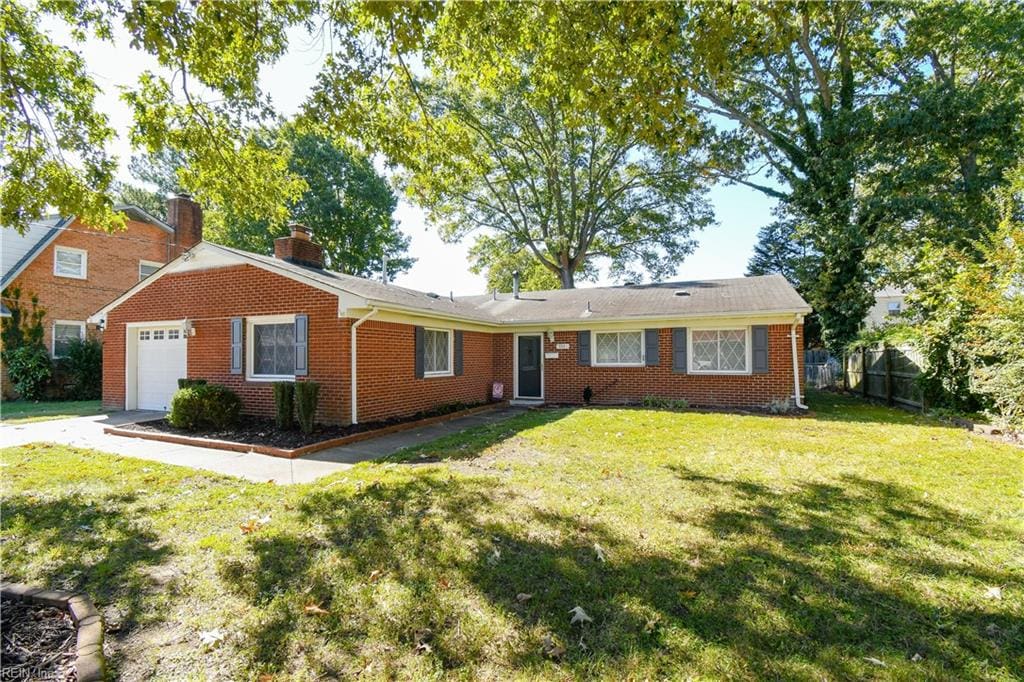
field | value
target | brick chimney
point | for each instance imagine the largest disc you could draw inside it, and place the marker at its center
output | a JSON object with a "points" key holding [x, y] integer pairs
{"points": [[186, 217], [299, 248]]}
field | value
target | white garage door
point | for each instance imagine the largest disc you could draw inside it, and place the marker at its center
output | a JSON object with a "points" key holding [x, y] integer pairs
{"points": [[162, 361]]}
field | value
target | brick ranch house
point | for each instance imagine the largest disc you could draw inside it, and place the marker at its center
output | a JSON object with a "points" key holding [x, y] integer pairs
{"points": [[379, 350], [75, 268]]}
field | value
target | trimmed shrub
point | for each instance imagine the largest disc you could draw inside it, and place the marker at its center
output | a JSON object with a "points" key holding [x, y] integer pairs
{"points": [[84, 366], [284, 402], [189, 383], [588, 395], [307, 395], [29, 368], [204, 406]]}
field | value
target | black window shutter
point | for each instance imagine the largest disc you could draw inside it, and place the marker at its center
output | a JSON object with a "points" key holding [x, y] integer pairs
{"points": [[759, 344], [679, 350], [458, 352], [236, 345], [301, 337], [583, 347], [419, 352], [651, 347]]}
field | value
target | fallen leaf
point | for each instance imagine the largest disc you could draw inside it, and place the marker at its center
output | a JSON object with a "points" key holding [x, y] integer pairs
{"points": [[314, 609], [917, 657], [582, 644], [376, 575], [210, 637], [600, 552], [249, 527], [994, 592], [689, 594], [874, 661], [443, 583], [652, 624], [265, 677], [551, 648], [579, 616], [523, 596]]}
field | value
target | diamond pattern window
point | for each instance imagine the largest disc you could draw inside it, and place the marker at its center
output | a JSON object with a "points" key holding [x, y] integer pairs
{"points": [[436, 352], [274, 349], [619, 348], [718, 351]]}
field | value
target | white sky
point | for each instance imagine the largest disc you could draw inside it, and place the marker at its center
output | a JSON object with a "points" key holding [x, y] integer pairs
{"points": [[723, 250]]}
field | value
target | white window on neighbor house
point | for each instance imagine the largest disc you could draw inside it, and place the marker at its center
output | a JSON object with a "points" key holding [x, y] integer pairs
{"points": [[147, 268], [270, 348], [719, 351], [69, 262], [619, 349], [64, 332], [894, 307], [437, 352]]}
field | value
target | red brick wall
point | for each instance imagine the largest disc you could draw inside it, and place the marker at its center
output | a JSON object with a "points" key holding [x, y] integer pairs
{"points": [[113, 268], [211, 298], [387, 372], [564, 380], [387, 383]]}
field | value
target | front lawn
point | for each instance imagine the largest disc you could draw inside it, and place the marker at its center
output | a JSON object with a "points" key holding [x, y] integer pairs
{"points": [[858, 543], [25, 411]]}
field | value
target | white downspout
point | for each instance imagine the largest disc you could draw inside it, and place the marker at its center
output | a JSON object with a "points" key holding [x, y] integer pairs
{"points": [[352, 357], [796, 366]]}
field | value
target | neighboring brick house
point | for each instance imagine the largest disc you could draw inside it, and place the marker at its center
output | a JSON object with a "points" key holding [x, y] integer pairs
{"points": [[74, 269], [247, 320]]}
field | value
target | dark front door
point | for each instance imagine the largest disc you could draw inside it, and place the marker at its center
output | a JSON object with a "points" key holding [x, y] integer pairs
{"points": [[529, 367]]}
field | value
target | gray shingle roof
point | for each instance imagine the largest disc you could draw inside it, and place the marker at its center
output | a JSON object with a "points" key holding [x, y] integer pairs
{"points": [[767, 294], [703, 298]]}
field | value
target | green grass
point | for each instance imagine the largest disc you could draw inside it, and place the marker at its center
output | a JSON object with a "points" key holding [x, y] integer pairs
{"points": [[24, 411], [857, 543]]}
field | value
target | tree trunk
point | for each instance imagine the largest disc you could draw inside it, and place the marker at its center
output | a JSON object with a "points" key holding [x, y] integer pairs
{"points": [[566, 274]]}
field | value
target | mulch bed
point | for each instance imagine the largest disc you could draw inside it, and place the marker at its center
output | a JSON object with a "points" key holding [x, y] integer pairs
{"points": [[38, 642], [263, 431]]}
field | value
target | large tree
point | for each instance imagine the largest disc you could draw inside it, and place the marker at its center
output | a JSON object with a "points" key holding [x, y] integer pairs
{"points": [[547, 177], [346, 203]]}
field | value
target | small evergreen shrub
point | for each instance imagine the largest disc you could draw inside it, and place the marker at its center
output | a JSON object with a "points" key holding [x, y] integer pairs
{"points": [[588, 394], [204, 406], [656, 402], [188, 383], [29, 368], [284, 402], [84, 366], [307, 395]]}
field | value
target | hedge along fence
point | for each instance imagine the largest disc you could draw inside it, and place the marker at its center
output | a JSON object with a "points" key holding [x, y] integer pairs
{"points": [[888, 374]]}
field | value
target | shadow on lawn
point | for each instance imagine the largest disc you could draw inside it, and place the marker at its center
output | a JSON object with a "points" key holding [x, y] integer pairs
{"points": [[778, 584], [96, 547]]}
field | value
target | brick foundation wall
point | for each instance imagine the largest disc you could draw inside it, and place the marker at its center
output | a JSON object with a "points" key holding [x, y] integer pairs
{"points": [[211, 298], [112, 268], [564, 380]]}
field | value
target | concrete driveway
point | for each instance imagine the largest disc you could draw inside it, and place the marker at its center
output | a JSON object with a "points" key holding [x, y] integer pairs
{"points": [[87, 432]]}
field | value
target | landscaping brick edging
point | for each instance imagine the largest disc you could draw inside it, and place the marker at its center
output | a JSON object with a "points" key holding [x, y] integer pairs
{"points": [[296, 452], [89, 662]]}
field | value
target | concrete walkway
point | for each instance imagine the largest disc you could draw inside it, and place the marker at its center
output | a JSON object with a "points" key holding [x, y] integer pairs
{"points": [[87, 432]]}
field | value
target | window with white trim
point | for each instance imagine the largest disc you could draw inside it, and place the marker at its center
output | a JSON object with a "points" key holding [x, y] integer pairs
{"points": [[64, 332], [894, 307], [147, 268], [719, 351], [69, 262], [617, 349], [270, 346], [437, 352]]}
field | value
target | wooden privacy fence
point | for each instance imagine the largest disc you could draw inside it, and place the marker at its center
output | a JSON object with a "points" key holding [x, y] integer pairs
{"points": [[888, 374]]}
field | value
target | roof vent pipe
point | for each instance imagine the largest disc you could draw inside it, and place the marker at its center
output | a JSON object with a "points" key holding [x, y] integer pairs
{"points": [[515, 284]]}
